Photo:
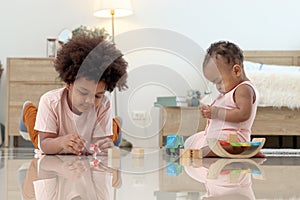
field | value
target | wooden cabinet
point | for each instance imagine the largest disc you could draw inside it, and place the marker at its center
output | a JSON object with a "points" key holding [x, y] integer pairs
{"points": [[26, 79], [276, 121], [181, 120]]}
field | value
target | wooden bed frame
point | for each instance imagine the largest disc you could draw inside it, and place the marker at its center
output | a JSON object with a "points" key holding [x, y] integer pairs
{"points": [[276, 121]]}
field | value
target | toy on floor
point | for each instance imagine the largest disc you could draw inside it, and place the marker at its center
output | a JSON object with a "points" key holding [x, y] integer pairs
{"points": [[173, 167], [92, 150], [174, 143], [94, 162], [233, 167], [191, 153], [251, 148], [190, 157]]}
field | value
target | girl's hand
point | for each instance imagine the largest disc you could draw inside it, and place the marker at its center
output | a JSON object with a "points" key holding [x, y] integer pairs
{"points": [[72, 143], [206, 111], [210, 112], [104, 144]]}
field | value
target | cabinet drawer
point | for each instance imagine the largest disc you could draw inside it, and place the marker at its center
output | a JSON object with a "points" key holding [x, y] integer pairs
{"points": [[36, 70], [14, 113], [20, 92], [27, 79]]}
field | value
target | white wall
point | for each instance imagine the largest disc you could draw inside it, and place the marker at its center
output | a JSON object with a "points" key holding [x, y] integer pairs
{"points": [[253, 24], [166, 64]]}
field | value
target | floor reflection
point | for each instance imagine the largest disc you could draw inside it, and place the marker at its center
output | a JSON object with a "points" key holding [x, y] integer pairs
{"points": [[227, 178], [154, 176], [70, 177]]}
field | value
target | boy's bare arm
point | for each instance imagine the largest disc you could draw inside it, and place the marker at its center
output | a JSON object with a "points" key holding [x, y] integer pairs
{"points": [[53, 144]]}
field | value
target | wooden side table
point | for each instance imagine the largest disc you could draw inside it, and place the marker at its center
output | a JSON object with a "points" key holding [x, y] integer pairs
{"points": [[184, 121]]}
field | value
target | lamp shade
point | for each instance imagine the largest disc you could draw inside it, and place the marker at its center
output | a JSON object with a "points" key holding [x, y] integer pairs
{"points": [[121, 8]]}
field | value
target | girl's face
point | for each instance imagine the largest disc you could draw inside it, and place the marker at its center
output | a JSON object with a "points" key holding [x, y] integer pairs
{"points": [[223, 77], [85, 94]]}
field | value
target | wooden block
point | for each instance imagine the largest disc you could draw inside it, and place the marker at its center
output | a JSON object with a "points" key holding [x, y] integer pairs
{"points": [[185, 161], [191, 153], [197, 163], [196, 153], [232, 138], [137, 153], [114, 153], [185, 153]]}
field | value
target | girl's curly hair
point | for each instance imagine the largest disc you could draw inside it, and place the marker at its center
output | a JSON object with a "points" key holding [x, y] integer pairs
{"points": [[94, 59], [229, 51]]}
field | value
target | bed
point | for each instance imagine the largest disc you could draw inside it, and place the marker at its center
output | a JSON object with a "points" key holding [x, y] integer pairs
{"points": [[279, 119]]}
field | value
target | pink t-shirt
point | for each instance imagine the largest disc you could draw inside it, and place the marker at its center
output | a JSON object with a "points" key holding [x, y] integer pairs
{"points": [[55, 116], [69, 184]]}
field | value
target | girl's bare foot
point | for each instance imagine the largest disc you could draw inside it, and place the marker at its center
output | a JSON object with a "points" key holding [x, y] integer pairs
{"points": [[260, 155]]}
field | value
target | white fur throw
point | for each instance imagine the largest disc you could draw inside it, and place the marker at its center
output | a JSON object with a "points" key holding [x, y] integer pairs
{"points": [[277, 88]]}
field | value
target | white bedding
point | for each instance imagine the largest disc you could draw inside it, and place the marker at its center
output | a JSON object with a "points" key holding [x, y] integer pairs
{"points": [[278, 86], [253, 66]]}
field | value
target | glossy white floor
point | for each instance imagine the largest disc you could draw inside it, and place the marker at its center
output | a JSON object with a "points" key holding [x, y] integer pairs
{"points": [[155, 176]]}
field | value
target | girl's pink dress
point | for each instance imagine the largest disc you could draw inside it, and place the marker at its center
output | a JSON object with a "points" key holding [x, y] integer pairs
{"points": [[217, 128]]}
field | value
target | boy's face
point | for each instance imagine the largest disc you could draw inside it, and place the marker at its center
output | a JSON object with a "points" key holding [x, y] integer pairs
{"points": [[85, 94], [217, 72]]}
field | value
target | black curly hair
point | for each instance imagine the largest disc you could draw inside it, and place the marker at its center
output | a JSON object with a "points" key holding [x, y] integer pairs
{"points": [[229, 51], [94, 59]]}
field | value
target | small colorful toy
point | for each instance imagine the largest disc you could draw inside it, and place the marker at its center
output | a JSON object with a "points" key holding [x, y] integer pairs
{"points": [[251, 148], [224, 143], [94, 163], [174, 143], [173, 168], [234, 168], [232, 140], [92, 150]]}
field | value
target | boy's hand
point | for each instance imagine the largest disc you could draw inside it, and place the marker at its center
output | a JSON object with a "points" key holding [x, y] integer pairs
{"points": [[104, 144], [72, 143], [72, 168]]}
